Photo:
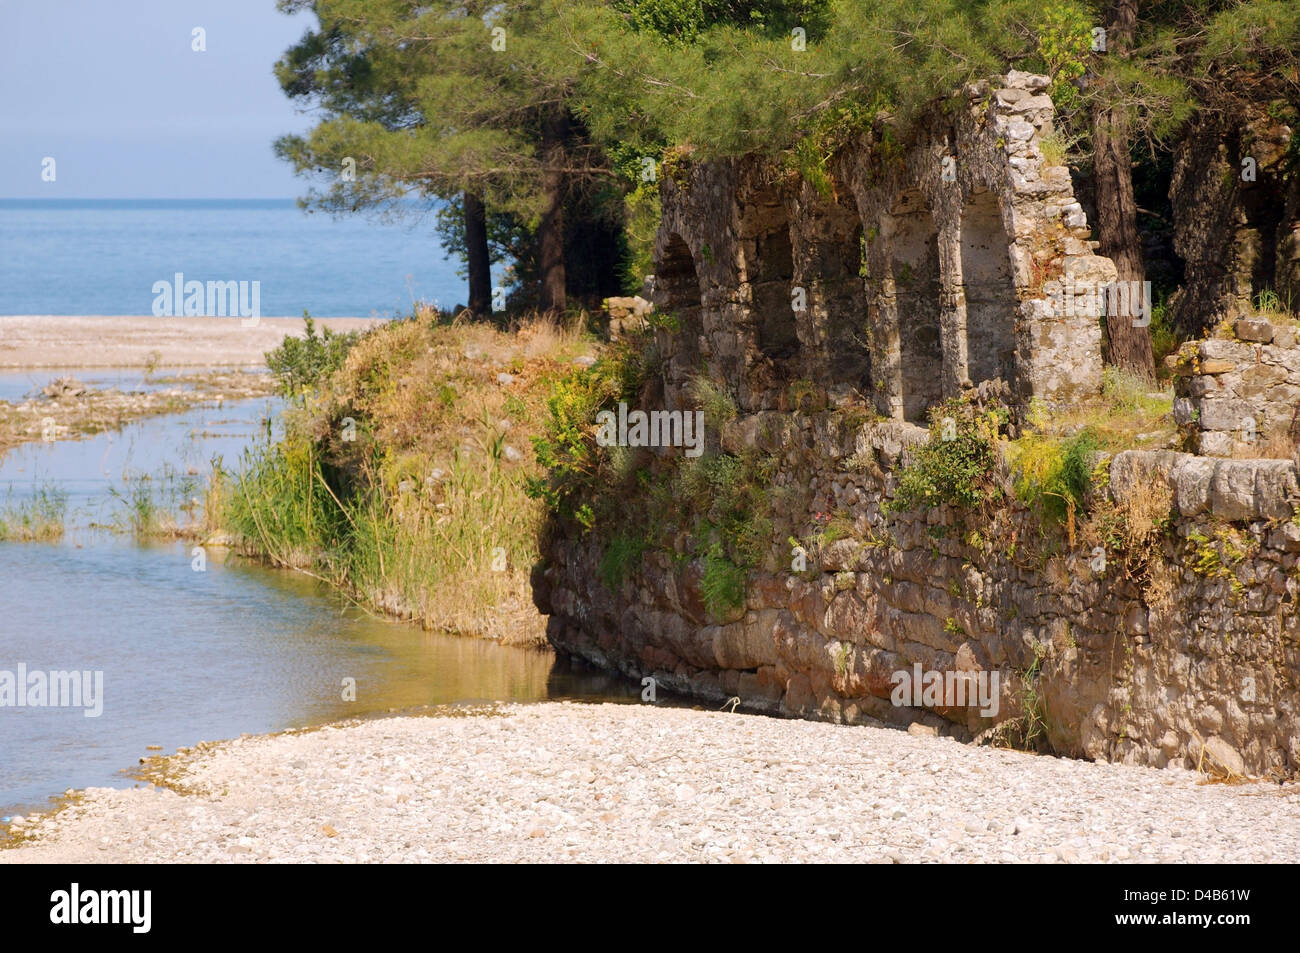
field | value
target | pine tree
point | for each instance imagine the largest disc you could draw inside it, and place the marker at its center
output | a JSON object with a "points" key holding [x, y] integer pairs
{"points": [[456, 99]]}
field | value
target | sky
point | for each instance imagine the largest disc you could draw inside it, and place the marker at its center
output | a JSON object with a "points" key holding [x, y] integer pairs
{"points": [[113, 92]]}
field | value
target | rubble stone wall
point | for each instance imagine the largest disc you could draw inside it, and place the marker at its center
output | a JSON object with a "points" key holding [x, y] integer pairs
{"points": [[1240, 396], [917, 276], [1201, 660]]}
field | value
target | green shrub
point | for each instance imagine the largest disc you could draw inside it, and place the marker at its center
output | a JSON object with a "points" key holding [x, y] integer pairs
{"points": [[281, 503], [725, 495], [718, 405], [1054, 473], [576, 478], [957, 466], [723, 584], [622, 555], [303, 363], [567, 446]]}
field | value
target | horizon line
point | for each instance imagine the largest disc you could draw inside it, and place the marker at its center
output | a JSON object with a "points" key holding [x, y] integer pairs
{"points": [[149, 198]]}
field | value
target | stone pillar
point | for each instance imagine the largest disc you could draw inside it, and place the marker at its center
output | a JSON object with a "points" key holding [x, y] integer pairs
{"points": [[952, 313]]}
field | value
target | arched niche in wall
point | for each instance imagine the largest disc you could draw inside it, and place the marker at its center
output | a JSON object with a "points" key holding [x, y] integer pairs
{"points": [[770, 273], [678, 297], [990, 290], [913, 239]]}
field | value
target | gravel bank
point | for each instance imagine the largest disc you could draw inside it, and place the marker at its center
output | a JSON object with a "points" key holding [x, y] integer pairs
{"points": [[70, 409], [559, 781], [48, 340]]}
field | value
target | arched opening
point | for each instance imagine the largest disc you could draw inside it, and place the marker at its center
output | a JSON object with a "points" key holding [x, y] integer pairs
{"points": [[677, 294], [840, 265], [990, 290], [913, 246], [676, 277], [770, 279]]}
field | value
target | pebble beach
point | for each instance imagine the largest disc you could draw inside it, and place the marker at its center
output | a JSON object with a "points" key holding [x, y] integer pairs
{"points": [[618, 783]]}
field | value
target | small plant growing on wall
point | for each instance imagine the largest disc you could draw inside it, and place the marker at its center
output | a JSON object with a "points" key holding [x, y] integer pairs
{"points": [[958, 466]]}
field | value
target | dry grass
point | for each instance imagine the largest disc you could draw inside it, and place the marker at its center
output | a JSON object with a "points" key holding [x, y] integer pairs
{"points": [[1146, 514], [1129, 414], [1276, 446], [435, 525]]}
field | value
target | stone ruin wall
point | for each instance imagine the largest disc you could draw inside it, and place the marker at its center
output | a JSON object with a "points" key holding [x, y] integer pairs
{"points": [[1239, 396], [943, 247], [1204, 659], [1197, 664], [1236, 235]]}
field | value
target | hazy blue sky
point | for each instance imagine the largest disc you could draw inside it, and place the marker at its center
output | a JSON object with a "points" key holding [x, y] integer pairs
{"points": [[114, 92]]}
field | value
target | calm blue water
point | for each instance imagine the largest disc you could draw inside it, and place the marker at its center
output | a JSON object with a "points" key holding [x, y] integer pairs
{"points": [[190, 655], [102, 256]]}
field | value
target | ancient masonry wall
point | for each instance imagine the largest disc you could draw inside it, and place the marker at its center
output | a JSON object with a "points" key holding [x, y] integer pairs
{"points": [[1240, 395], [921, 276], [915, 279], [1236, 214], [1202, 657]]}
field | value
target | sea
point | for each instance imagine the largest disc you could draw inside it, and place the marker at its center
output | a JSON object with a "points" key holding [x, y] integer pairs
{"points": [[104, 256]]}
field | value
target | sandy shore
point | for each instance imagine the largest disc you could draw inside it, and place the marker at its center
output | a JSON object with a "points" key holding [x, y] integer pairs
{"points": [[628, 783], [94, 341]]}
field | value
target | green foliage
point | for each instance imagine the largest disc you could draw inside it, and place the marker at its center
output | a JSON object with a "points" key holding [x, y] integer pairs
{"points": [[1128, 393], [723, 585], [957, 466], [1217, 556], [1054, 473], [1256, 35], [38, 518], [1033, 723], [149, 505], [622, 555], [725, 497], [575, 466], [718, 405], [684, 20], [641, 227], [1165, 339], [303, 363], [729, 85], [1064, 45], [567, 447], [281, 502]]}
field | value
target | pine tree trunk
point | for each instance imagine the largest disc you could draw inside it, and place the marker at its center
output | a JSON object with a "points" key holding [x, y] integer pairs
{"points": [[1128, 346], [476, 255], [551, 233]]}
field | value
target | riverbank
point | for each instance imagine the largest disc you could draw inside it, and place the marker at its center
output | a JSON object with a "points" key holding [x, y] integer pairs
{"points": [[408, 477], [46, 340], [67, 408], [625, 783], [222, 352]]}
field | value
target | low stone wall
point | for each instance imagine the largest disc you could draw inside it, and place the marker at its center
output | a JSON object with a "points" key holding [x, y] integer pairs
{"points": [[1193, 662], [1234, 397]]}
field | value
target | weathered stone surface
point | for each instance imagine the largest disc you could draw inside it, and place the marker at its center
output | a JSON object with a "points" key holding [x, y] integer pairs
{"points": [[1217, 367], [1216, 756], [1135, 662], [815, 648], [1223, 221], [767, 281], [1239, 397], [1254, 329]]}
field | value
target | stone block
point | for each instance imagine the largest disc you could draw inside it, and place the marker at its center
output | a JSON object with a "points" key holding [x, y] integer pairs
{"points": [[1254, 329]]}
